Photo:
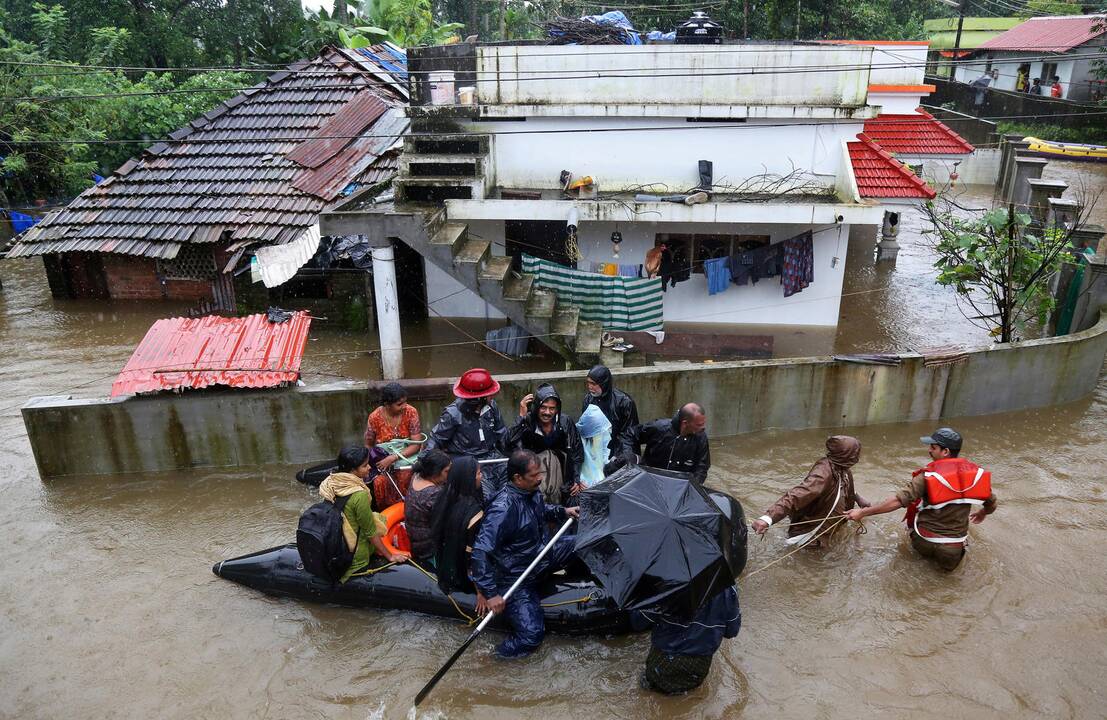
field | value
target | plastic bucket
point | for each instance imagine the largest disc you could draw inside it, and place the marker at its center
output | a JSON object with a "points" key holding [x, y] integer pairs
{"points": [[467, 96], [441, 87]]}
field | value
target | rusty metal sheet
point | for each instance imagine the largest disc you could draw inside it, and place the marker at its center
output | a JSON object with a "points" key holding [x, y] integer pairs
{"points": [[250, 351], [339, 130]]}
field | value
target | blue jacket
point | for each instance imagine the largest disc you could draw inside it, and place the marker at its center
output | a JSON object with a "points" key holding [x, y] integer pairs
{"points": [[719, 618], [511, 535]]}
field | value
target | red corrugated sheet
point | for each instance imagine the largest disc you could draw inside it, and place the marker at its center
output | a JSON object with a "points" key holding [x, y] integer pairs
{"points": [[194, 353], [1048, 34], [879, 175], [915, 134]]}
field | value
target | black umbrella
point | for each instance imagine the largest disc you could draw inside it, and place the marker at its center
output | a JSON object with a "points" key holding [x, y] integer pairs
{"points": [[656, 539]]}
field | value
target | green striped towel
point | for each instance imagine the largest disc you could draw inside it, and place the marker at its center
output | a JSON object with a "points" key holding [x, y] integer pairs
{"points": [[618, 303]]}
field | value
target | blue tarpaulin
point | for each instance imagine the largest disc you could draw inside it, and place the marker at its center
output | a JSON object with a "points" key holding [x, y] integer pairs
{"points": [[399, 71], [21, 222], [616, 18]]}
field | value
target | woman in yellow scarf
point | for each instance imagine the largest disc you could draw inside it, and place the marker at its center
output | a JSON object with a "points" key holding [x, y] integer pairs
{"points": [[361, 527]]}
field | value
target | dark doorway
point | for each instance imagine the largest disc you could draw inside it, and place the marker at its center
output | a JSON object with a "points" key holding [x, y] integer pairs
{"points": [[541, 238], [411, 282], [76, 276]]}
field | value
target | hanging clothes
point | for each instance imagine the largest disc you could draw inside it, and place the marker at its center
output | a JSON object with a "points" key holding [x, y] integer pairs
{"points": [[798, 269], [718, 275], [631, 271]]}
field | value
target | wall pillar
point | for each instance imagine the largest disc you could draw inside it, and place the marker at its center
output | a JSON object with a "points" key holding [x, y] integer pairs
{"points": [[887, 249], [1026, 169], [388, 313], [1041, 191], [1093, 294]]}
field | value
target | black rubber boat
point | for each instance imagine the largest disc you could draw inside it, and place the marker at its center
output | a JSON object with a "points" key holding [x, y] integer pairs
{"points": [[316, 474], [572, 606]]}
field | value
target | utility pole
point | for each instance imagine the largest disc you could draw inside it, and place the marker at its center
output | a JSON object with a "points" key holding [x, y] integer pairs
{"points": [[957, 40], [745, 19], [799, 10]]}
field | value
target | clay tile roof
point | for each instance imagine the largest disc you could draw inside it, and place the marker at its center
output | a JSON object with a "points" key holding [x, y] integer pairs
{"points": [[879, 175], [1048, 34], [254, 170], [918, 133]]}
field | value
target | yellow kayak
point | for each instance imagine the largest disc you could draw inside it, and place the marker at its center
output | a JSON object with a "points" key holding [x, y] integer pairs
{"points": [[1075, 151]]}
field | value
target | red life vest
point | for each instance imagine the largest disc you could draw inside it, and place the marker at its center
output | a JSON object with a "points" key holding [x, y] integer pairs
{"points": [[950, 481]]}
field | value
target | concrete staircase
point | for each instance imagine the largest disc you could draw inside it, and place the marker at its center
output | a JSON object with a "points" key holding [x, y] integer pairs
{"points": [[536, 310]]}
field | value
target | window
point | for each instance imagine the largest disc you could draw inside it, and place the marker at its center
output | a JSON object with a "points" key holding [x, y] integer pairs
{"points": [[1048, 71], [708, 247], [194, 261]]}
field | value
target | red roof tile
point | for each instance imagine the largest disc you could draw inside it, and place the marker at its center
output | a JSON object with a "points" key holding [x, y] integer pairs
{"points": [[1048, 34], [194, 353], [918, 133], [879, 175]]}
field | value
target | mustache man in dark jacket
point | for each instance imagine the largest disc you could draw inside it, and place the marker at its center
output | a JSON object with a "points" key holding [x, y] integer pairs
{"points": [[679, 444]]}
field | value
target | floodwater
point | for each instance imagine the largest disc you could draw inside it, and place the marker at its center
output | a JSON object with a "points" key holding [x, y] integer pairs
{"points": [[108, 606]]}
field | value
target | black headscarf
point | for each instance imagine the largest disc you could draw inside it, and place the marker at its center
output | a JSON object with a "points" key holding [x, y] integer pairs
{"points": [[458, 502]]}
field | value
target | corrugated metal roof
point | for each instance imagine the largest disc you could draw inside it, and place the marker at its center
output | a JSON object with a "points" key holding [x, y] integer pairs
{"points": [[919, 133], [879, 175], [233, 178], [197, 352], [1049, 34]]}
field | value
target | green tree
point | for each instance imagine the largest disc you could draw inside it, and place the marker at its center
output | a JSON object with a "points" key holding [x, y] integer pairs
{"points": [[998, 265]]}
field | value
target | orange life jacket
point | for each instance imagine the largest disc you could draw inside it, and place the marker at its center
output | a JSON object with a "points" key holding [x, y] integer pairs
{"points": [[949, 481]]}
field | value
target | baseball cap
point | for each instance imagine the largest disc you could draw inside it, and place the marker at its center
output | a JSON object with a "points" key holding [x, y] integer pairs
{"points": [[945, 437]]}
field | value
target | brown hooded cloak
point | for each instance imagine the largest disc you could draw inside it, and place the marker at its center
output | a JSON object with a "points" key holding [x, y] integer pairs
{"points": [[814, 498]]}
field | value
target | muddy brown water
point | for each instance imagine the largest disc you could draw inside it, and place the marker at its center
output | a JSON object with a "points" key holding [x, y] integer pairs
{"points": [[108, 606]]}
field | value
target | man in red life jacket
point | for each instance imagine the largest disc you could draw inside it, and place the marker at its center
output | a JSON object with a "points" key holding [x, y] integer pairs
{"points": [[939, 501]]}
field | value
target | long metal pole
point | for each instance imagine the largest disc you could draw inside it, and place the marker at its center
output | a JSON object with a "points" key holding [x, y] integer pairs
{"points": [[957, 40], [388, 313], [488, 618]]}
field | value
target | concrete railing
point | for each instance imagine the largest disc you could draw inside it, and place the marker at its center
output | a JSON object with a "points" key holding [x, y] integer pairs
{"points": [[302, 425]]}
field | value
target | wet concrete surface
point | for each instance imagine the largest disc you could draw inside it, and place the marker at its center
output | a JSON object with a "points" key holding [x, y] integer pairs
{"points": [[108, 606]]}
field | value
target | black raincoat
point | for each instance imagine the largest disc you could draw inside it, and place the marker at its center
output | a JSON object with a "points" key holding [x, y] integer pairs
{"points": [[511, 535], [616, 405], [663, 447], [564, 440], [461, 430]]}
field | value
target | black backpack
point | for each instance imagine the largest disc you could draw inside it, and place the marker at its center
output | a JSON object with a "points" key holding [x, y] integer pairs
{"points": [[319, 539]]}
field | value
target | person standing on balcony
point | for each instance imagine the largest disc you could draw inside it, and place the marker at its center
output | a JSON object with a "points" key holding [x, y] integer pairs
{"points": [[1055, 90]]}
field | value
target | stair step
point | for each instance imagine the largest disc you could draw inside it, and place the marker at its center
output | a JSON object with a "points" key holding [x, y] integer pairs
{"points": [[589, 333], [497, 268], [473, 251], [519, 288], [437, 180], [452, 235], [542, 304], [565, 321], [444, 157], [611, 358], [446, 143]]}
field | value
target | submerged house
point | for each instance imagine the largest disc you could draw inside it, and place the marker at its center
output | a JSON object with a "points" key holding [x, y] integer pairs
{"points": [[542, 183], [236, 194]]}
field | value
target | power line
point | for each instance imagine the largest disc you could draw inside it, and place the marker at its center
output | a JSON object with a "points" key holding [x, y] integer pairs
{"points": [[546, 131]]}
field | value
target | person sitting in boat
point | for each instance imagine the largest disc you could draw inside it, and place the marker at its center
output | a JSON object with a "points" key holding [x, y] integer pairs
{"points": [[819, 502], [547, 432], [394, 419], [595, 436], [455, 520], [617, 406], [431, 469], [472, 426], [679, 444], [361, 527], [681, 650], [511, 536]]}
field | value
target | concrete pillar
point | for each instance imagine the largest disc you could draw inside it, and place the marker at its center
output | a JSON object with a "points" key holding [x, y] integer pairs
{"points": [[1063, 212], [1013, 144], [1040, 193], [1090, 236], [388, 313], [887, 249], [1026, 169], [1093, 295]]}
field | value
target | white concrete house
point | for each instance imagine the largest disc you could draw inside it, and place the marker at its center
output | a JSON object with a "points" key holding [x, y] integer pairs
{"points": [[1064, 46], [495, 128]]}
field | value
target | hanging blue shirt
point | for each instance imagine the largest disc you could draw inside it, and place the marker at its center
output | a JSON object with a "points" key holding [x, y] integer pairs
{"points": [[718, 275]]}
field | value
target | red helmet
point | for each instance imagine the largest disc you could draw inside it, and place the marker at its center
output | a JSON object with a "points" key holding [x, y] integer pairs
{"points": [[476, 383]]}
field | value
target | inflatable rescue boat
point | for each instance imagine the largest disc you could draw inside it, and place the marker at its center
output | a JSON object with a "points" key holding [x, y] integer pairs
{"points": [[570, 605], [1066, 151]]}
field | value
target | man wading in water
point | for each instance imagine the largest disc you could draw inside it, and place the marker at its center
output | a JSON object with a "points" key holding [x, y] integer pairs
{"points": [[938, 501], [820, 501]]}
